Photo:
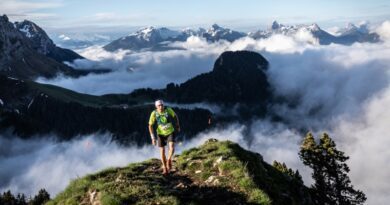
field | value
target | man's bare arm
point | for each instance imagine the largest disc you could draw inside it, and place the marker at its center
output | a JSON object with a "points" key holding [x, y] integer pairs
{"points": [[151, 132], [177, 123]]}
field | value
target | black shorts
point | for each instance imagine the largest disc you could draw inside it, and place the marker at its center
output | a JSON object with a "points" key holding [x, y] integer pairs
{"points": [[162, 140]]}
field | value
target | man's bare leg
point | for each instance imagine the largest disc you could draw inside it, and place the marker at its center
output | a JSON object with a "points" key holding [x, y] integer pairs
{"points": [[170, 155], [163, 160]]}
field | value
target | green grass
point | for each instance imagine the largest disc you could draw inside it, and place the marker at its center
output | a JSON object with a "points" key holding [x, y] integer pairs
{"points": [[230, 167], [239, 174], [67, 95]]}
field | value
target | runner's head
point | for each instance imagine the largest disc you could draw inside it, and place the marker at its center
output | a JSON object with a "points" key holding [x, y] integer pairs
{"points": [[159, 105]]}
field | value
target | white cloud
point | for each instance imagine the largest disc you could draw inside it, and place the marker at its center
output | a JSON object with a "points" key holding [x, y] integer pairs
{"points": [[384, 31], [29, 165], [365, 140], [135, 70], [22, 6], [305, 36], [19, 10], [156, 69], [329, 81]]}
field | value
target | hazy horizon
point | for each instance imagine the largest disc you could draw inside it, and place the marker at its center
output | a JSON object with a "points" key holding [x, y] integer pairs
{"points": [[245, 15]]}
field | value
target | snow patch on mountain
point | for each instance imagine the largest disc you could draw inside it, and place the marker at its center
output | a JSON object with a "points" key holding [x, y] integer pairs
{"points": [[148, 33], [26, 30]]}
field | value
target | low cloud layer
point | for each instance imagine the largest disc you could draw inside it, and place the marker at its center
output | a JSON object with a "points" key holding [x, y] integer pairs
{"points": [[342, 90], [135, 70], [29, 165]]}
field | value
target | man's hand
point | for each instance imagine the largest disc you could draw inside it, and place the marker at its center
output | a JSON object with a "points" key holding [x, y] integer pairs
{"points": [[153, 139]]}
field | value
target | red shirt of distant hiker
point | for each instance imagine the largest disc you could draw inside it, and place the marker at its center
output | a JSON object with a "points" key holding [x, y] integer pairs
{"points": [[165, 118]]}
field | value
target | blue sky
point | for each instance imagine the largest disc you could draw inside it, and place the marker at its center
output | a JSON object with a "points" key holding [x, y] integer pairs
{"points": [[180, 13]]}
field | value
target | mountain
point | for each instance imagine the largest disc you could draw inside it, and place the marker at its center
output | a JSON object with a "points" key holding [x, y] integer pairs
{"points": [[29, 109], [237, 78], [217, 172], [149, 38], [216, 33], [351, 34], [43, 44], [157, 39], [28, 53]]}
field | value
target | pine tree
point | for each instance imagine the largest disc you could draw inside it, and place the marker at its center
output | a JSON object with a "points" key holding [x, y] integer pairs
{"points": [[41, 198], [332, 184], [282, 167]]}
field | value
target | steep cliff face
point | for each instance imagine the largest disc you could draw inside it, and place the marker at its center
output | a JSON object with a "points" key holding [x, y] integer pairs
{"points": [[41, 42], [214, 173], [26, 52]]}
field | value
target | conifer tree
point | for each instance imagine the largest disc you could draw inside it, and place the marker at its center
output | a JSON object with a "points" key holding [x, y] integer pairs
{"points": [[41, 198], [331, 182]]}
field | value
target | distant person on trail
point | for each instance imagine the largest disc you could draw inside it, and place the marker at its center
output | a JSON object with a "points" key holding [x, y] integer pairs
{"points": [[166, 118]]}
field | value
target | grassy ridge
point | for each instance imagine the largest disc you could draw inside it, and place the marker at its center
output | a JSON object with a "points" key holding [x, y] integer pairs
{"points": [[214, 173], [70, 96]]}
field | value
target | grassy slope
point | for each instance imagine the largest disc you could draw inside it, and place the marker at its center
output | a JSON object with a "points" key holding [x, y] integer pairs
{"points": [[214, 173], [84, 99]]}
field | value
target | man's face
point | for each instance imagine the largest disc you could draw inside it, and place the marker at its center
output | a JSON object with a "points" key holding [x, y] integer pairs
{"points": [[160, 107]]}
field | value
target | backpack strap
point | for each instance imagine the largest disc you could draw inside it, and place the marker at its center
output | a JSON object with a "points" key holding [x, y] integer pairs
{"points": [[168, 116]]}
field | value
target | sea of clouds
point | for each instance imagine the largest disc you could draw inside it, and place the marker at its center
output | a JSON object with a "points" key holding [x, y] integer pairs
{"points": [[341, 90]]}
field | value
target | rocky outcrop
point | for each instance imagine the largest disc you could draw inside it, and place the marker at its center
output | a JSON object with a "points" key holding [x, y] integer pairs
{"points": [[28, 53]]}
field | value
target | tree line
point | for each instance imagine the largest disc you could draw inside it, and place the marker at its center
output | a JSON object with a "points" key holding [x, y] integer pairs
{"points": [[7, 198]]}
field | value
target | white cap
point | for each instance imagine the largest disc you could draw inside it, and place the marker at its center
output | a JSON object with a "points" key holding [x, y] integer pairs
{"points": [[158, 102]]}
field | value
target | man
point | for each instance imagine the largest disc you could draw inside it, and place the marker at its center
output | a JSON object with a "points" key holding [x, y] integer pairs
{"points": [[165, 117]]}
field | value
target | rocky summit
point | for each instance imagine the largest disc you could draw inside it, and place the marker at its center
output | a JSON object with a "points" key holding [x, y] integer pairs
{"points": [[217, 172], [26, 52]]}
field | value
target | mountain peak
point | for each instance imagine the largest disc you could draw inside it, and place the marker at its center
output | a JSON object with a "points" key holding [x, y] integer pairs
{"points": [[213, 173], [30, 29], [233, 61], [314, 27], [232, 80], [275, 25], [4, 18], [352, 29], [148, 29], [350, 26], [215, 27]]}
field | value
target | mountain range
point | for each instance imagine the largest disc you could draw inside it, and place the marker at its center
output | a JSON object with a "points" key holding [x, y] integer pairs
{"points": [[26, 52], [157, 39], [349, 35]]}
